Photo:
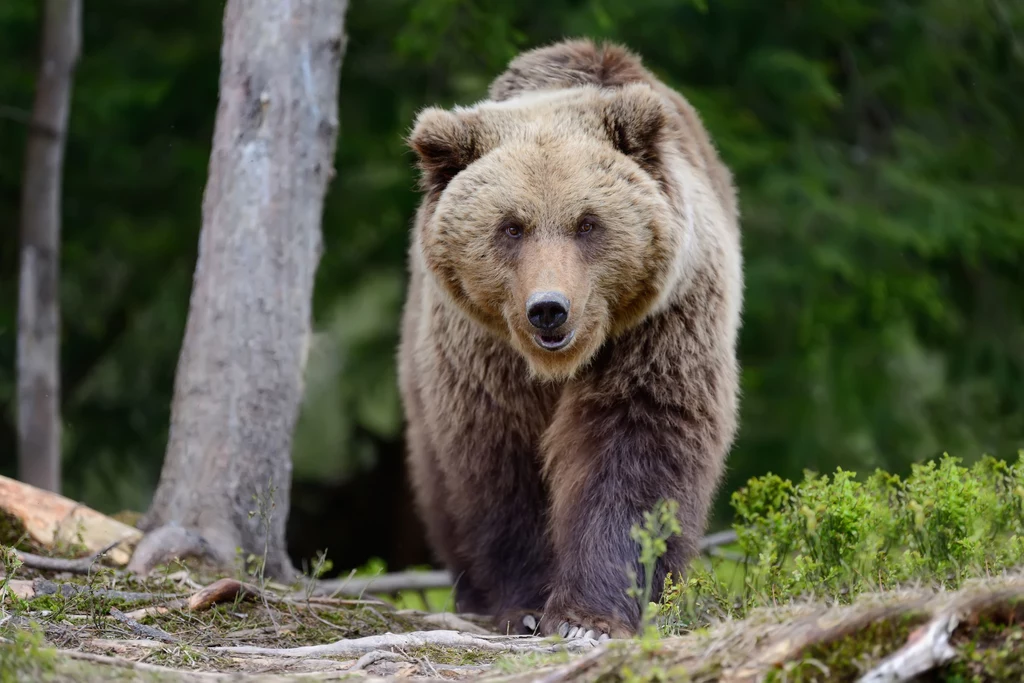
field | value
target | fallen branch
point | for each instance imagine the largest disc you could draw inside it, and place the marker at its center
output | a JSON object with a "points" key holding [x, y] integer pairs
{"points": [[222, 590], [67, 590], [175, 674], [51, 520], [150, 632], [81, 565], [119, 645], [717, 539], [357, 647], [156, 610], [384, 583]]}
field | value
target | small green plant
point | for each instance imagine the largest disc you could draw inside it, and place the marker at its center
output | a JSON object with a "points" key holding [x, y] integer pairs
{"points": [[25, 657], [321, 566], [660, 524], [265, 505], [11, 564]]}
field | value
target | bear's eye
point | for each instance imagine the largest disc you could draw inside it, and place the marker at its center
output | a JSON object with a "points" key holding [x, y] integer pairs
{"points": [[586, 225], [512, 229]]}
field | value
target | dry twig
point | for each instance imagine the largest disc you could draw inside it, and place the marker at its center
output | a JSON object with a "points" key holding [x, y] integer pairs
{"points": [[150, 632], [47, 587], [82, 565]]}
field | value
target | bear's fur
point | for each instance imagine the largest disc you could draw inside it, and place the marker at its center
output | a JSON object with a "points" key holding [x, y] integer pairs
{"points": [[581, 174]]}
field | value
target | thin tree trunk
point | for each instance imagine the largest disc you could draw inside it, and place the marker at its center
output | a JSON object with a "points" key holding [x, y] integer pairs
{"points": [[238, 387], [38, 356]]}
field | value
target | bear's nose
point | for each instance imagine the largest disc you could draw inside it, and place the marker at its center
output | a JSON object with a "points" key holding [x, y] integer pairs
{"points": [[547, 310]]}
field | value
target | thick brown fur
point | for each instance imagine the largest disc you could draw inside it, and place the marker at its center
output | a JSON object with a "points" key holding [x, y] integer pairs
{"points": [[586, 175]]}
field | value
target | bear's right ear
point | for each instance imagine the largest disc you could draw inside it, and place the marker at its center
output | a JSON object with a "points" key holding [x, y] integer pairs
{"points": [[445, 145], [635, 120]]}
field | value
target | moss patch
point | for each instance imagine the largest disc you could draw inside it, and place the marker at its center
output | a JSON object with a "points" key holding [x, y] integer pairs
{"points": [[13, 533], [989, 651], [853, 655]]}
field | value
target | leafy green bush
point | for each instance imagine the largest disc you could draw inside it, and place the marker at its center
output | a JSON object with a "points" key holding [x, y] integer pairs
{"points": [[833, 537]]}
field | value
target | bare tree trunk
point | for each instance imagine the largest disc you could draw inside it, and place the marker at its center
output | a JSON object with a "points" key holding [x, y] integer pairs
{"points": [[239, 381], [38, 359]]}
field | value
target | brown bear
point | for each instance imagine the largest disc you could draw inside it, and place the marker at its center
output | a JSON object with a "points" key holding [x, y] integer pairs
{"points": [[568, 344]]}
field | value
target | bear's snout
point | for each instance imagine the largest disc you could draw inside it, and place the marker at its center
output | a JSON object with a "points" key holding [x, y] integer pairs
{"points": [[547, 310]]}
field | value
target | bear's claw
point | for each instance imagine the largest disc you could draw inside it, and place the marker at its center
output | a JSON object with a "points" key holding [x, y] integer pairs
{"points": [[578, 631]]}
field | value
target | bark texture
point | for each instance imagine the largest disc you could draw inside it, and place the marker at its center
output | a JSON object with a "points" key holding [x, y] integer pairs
{"points": [[38, 355], [239, 379]]}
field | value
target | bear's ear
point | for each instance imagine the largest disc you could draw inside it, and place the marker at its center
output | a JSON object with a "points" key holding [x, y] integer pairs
{"points": [[445, 145], [634, 118]]}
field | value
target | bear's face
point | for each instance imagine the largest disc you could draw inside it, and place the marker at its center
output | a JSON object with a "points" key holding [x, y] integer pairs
{"points": [[545, 219]]}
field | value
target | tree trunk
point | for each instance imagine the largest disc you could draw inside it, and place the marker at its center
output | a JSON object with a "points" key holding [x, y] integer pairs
{"points": [[239, 380], [38, 356]]}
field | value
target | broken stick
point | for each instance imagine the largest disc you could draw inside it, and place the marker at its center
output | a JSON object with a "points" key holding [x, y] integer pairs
{"points": [[82, 565]]}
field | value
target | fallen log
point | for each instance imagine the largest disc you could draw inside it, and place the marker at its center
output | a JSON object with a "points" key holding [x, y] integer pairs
{"points": [[53, 521]]}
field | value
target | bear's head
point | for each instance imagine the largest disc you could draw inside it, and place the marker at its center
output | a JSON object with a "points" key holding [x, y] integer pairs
{"points": [[545, 217]]}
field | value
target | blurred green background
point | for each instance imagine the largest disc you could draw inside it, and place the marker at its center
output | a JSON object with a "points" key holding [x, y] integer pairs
{"points": [[879, 151]]}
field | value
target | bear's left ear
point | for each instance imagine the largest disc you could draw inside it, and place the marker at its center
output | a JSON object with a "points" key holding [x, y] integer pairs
{"points": [[445, 145], [634, 118]]}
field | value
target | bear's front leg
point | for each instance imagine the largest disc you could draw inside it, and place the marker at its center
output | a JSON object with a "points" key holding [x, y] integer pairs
{"points": [[632, 431]]}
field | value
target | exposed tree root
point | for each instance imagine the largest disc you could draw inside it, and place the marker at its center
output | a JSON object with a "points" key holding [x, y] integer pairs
{"points": [[167, 543]]}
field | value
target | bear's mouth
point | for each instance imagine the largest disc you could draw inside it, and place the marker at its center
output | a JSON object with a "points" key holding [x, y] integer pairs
{"points": [[554, 342]]}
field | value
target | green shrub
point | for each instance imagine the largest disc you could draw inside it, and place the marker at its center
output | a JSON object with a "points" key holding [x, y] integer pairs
{"points": [[833, 537]]}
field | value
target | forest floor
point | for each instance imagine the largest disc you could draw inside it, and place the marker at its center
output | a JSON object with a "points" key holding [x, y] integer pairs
{"points": [[182, 625], [98, 619]]}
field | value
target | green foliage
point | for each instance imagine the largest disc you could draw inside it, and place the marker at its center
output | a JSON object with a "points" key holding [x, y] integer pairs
{"points": [[660, 524], [833, 538], [24, 655]]}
